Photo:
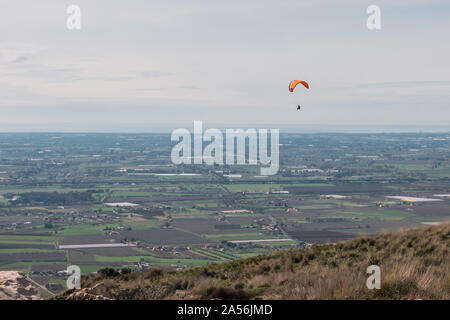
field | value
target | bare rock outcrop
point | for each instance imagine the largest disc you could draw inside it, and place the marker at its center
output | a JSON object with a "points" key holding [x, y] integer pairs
{"points": [[97, 292], [15, 285]]}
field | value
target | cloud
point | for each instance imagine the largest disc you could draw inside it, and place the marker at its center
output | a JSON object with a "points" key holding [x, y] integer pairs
{"points": [[229, 60], [21, 59], [402, 84], [156, 74]]}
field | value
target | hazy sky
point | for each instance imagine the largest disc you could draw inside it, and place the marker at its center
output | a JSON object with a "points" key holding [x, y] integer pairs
{"points": [[140, 62]]}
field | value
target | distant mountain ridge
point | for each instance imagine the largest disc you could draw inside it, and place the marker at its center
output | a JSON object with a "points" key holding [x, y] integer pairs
{"points": [[415, 264]]}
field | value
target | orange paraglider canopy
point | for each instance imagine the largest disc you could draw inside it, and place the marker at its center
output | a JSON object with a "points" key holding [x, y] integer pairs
{"points": [[294, 83]]}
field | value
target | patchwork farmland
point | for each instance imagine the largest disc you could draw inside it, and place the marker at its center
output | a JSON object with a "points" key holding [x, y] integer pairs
{"points": [[116, 200]]}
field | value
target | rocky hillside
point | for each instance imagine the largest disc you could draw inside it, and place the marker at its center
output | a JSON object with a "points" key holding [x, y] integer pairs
{"points": [[415, 264], [15, 285]]}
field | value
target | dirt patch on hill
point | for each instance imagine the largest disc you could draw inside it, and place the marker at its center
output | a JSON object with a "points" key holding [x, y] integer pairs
{"points": [[15, 285]]}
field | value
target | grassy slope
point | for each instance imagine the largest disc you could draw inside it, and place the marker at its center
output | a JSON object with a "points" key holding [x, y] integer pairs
{"points": [[415, 264]]}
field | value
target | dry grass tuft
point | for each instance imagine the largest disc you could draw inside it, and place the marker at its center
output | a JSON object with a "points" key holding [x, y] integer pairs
{"points": [[414, 264]]}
